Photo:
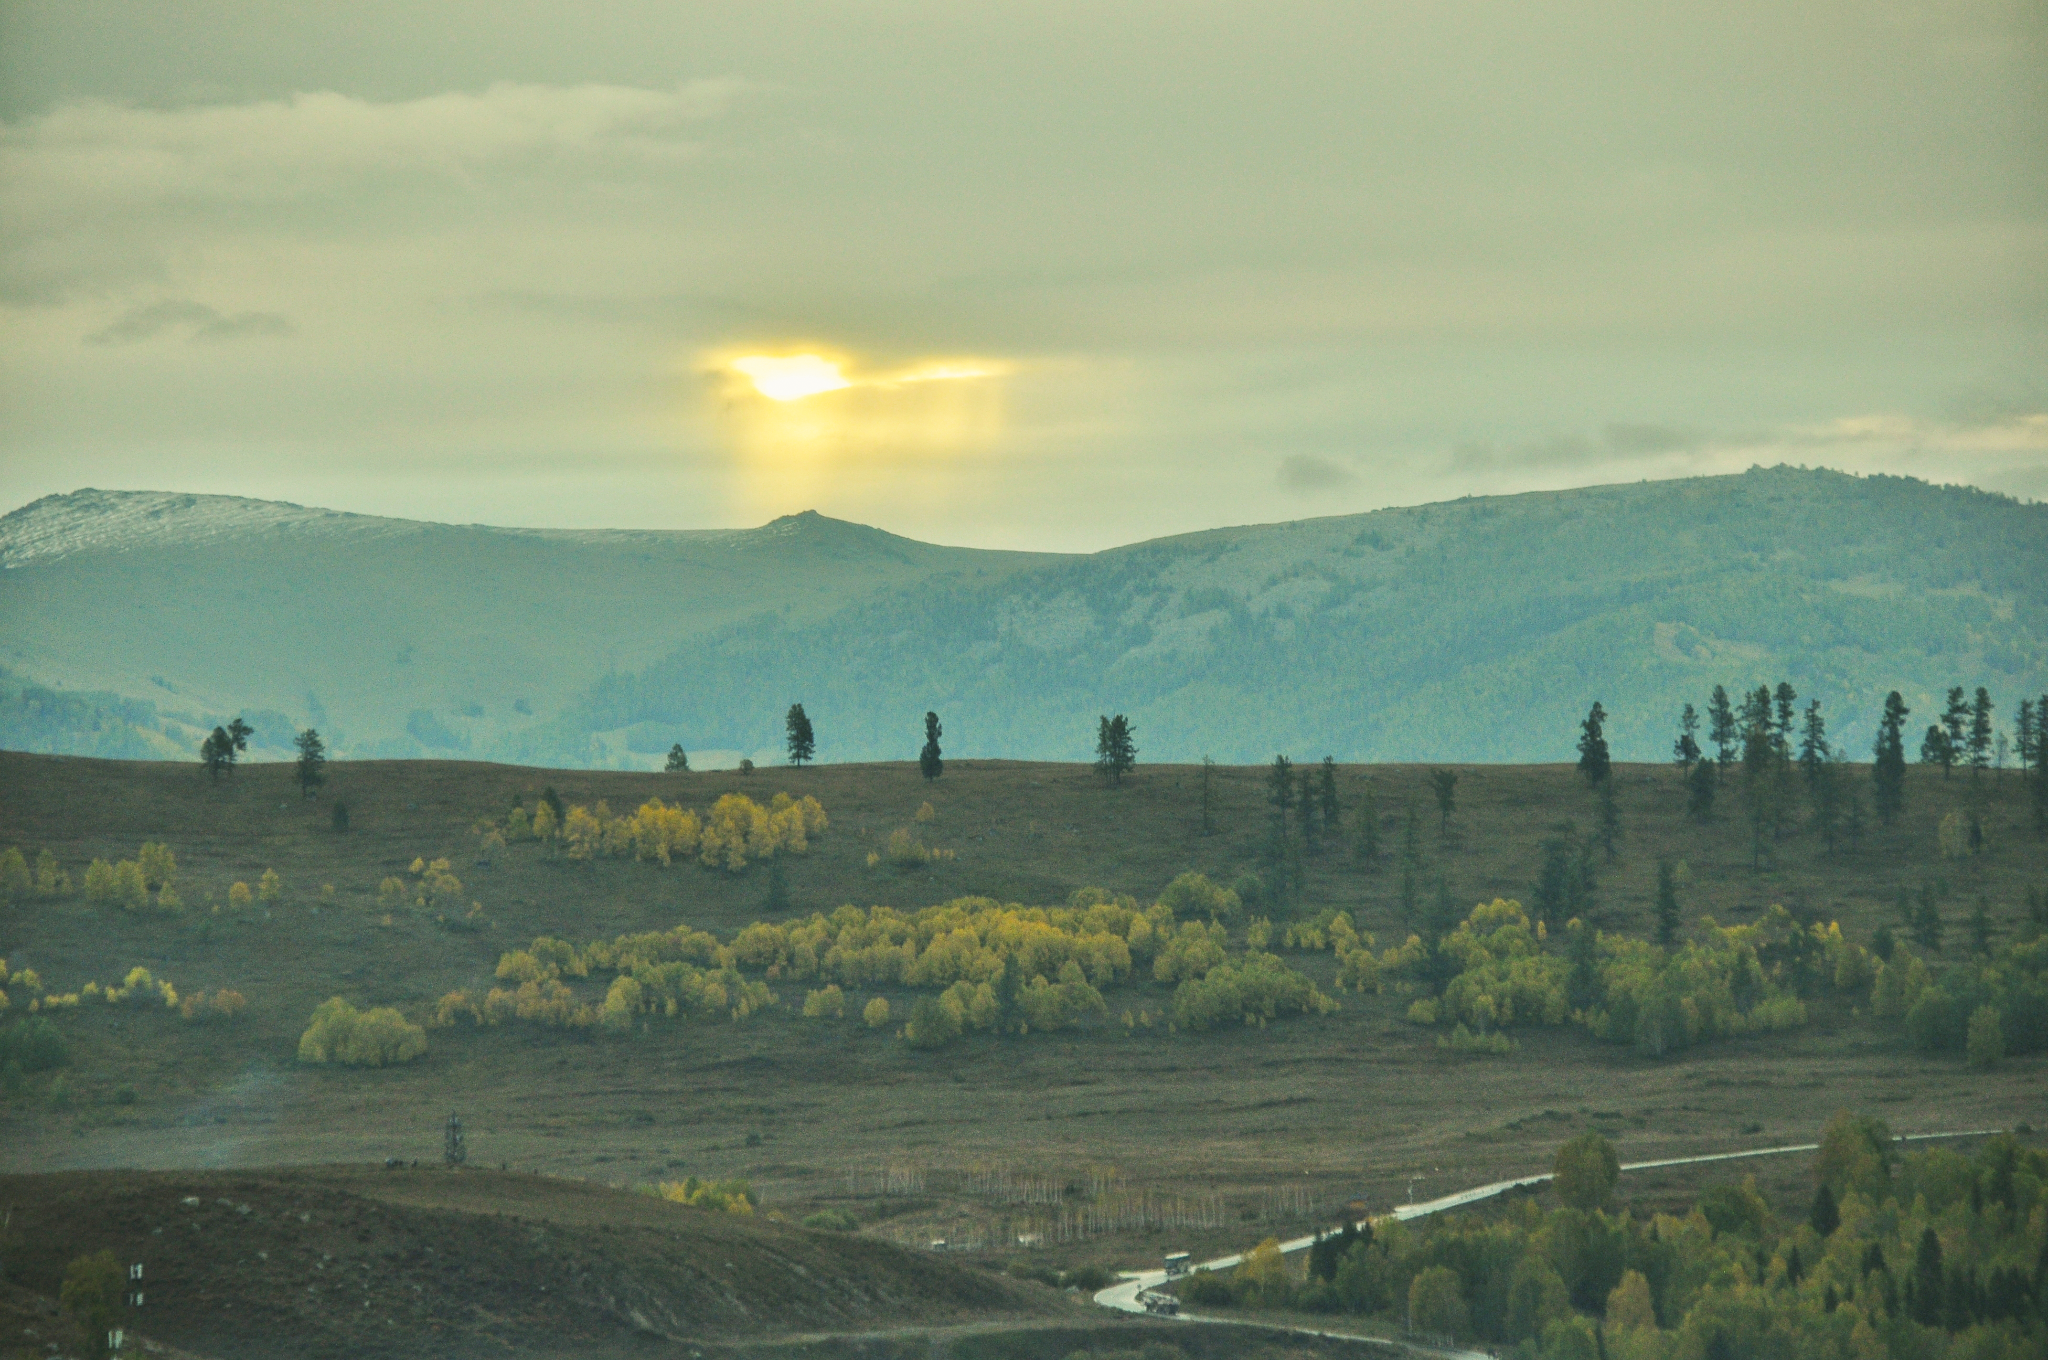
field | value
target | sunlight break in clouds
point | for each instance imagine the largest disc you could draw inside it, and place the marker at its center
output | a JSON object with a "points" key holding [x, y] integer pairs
{"points": [[790, 379], [805, 432]]}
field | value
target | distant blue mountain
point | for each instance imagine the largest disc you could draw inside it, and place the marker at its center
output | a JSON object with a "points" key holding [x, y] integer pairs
{"points": [[1472, 630]]}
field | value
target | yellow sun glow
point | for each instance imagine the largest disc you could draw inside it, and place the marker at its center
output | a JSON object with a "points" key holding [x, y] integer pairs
{"points": [[792, 377]]}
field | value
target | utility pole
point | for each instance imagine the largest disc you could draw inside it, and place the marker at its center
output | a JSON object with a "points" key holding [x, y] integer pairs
{"points": [[454, 1150]]}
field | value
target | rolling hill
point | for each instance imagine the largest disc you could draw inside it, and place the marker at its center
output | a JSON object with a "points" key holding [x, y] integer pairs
{"points": [[363, 1261], [135, 621], [1474, 630]]}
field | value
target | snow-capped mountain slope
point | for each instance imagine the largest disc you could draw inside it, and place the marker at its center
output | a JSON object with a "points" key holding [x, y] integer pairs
{"points": [[94, 521]]}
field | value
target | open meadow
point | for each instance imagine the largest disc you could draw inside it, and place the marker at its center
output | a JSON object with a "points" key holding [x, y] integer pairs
{"points": [[1105, 1139]]}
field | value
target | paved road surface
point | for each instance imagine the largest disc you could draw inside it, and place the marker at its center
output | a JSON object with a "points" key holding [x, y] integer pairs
{"points": [[1123, 1295]]}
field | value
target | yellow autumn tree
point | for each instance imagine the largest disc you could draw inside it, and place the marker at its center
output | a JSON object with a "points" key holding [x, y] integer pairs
{"points": [[1629, 1309], [131, 891], [99, 883], [51, 880], [15, 880], [1263, 1272], [159, 865]]}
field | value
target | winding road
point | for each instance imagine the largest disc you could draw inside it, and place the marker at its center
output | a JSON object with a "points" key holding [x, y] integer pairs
{"points": [[1124, 1295]]}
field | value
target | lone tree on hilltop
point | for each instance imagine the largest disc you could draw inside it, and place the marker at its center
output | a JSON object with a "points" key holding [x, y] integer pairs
{"points": [[223, 745], [930, 762], [1593, 760], [678, 760], [803, 742], [1686, 750], [1116, 751], [312, 764], [1888, 773], [217, 752]]}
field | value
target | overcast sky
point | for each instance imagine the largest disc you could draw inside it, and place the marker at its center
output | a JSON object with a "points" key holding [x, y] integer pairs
{"points": [[1088, 272]]}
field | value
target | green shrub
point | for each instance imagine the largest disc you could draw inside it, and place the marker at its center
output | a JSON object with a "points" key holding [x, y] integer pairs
{"points": [[34, 1043], [1211, 1288], [1986, 1041], [832, 1220], [1088, 1279], [932, 1024], [339, 1033]]}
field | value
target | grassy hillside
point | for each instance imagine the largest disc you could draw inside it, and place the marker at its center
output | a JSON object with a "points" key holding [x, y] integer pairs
{"points": [[1475, 630], [364, 1261], [1241, 1128], [155, 616]]}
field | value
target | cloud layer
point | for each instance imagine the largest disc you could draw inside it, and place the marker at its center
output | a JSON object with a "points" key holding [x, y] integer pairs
{"points": [[1233, 263]]}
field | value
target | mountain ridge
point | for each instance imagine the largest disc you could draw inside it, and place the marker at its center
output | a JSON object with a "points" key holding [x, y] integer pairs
{"points": [[1354, 634]]}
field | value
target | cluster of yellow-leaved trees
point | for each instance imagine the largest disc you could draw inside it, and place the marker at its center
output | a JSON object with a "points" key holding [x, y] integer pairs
{"points": [[139, 988], [734, 833], [146, 883], [981, 965]]}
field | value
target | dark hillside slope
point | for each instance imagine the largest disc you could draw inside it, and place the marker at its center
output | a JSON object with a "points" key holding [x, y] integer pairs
{"points": [[360, 1261], [1477, 630], [160, 615]]}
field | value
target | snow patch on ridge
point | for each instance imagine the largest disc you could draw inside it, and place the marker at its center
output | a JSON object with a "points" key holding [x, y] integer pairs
{"points": [[117, 521]]}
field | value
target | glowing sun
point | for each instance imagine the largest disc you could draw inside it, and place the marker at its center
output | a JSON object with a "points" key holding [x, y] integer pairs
{"points": [[790, 378]]}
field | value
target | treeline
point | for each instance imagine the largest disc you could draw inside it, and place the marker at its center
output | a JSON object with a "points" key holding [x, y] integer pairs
{"points": [[1987, 1006], [146, 883], [674, 973], [138, 988], [1499, 970], [981, 964], [1930, 1256], [1755, 740], [735, 832]]}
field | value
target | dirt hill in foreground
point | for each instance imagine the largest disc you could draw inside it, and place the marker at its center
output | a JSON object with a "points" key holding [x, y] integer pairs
{"points": [[364, 1261]]}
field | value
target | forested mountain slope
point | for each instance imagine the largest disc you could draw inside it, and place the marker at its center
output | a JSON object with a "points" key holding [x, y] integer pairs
{"points": [[1474, 630], [1471, 630]]}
